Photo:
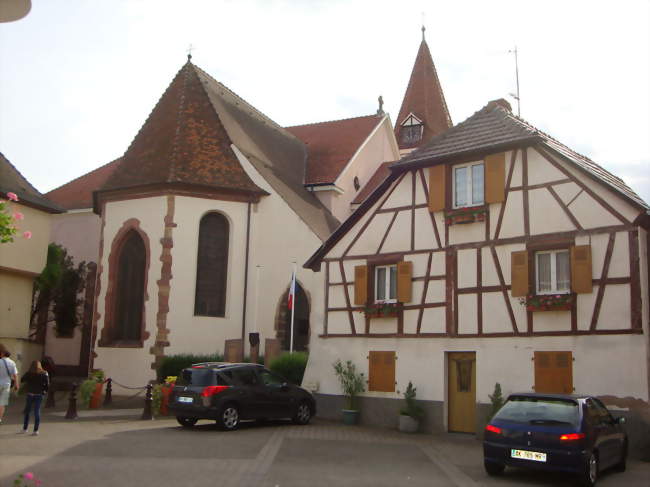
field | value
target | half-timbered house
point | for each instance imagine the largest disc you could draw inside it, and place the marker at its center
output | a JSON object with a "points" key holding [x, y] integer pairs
{"points": [[492, 254]]}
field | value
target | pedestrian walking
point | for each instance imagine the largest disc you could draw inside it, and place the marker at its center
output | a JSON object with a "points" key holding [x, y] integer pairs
{"points": [[8, 379], [37, 382]]}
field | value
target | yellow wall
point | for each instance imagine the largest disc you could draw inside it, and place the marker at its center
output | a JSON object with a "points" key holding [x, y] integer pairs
{"points": [[27, 255]]}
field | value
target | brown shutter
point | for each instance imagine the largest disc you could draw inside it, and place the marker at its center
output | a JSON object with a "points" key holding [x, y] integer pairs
{"points": [[581, 269], [495, 178], [404, 273], [381, 371], [360, 284], [519, 273], [437, 188], [554, 372]]}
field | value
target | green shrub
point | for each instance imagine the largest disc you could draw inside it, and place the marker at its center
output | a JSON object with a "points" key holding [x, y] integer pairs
{"points": [[411, 409], [173, 364], [291, 366], [86, 390], [496, 401], [352, 382]]}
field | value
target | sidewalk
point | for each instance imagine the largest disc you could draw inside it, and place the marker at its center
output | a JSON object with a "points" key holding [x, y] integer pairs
{"points": [[114, 447]]}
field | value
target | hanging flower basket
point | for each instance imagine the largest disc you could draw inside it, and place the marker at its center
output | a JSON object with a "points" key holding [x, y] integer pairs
{"points": [[465, 215], [548, 302], [381, 310]]}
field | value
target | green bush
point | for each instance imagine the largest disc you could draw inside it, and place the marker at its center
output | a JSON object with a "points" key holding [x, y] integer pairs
{"points": [[173, 364], [291, 366], [496, 401]]}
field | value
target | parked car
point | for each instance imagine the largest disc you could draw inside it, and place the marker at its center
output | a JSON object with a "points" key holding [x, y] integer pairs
{"points": [[567, 433], [230, 393]]}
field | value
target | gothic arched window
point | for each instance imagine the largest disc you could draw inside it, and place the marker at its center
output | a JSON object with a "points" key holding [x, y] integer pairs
{"points": [[212, 266], [131, 264]]}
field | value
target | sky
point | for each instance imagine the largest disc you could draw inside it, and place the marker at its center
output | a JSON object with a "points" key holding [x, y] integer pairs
{"points": [[78, 78]]}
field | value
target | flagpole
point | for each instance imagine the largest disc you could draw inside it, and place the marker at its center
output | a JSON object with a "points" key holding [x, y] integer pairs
{"points": [[293, 305]]}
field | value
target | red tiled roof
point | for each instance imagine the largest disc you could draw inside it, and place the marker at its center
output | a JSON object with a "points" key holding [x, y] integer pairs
{"points": [[424, 98], [182, 141], [332, 144], [375, 180], [78, 193]]}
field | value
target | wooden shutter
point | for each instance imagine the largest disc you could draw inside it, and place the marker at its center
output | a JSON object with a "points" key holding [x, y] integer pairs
{"points": [[554, 372], [581, 269], [495, 178], [360, 284], [437, 188], [404, 274], [381, 371], [519, 273]]}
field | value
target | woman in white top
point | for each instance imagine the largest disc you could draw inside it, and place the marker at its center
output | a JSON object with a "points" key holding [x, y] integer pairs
{"points": [[8, 373]]}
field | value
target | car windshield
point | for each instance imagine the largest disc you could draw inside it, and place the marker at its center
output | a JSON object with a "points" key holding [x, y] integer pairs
{"points": [[197, 377], [539, 410]]}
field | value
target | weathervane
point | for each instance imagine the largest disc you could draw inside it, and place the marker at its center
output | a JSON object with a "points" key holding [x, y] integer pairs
{"points": [[516, 96], [189, 52], [423, 27], [380, 111]]}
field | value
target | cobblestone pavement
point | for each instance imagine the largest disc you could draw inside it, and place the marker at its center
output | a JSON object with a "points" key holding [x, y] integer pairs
{"points": [[115, 448]]}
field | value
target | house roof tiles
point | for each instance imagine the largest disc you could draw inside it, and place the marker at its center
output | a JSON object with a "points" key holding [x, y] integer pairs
{"points": [[332, 144], [78, 193], [11, 180]]}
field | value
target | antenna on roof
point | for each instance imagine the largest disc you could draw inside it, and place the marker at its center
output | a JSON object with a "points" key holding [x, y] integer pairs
{"points": [[189, 52], [516, 96], [380, 110]]}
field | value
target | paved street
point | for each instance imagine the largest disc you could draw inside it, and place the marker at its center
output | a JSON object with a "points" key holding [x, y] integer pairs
{"points": [[115, 448]]}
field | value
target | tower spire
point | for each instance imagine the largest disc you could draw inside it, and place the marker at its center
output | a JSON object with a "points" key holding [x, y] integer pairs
{"points": [[424, 112]]}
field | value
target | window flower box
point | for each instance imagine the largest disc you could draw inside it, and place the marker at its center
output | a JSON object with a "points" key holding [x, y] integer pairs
{"points": [[547, 302], [465, 215], [381, 310]]}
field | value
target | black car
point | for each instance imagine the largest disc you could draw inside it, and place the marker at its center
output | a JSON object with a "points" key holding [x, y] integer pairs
{"points": [[567, 433], [230, 393]]}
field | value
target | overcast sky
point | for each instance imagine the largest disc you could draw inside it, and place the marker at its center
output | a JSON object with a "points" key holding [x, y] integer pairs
{"points": [[79, 77]]}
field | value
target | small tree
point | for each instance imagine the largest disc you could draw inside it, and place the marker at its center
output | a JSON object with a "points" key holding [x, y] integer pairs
{"points": [[412, 409], [352, 382], [497, 401]]}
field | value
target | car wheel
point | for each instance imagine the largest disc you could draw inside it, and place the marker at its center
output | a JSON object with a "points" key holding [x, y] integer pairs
{"points": [[493, 468], [229, 417], [186, 422], [303, 413], [590, 474], [622, 464]]}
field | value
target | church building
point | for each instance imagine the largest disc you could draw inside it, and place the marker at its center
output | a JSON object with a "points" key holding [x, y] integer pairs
{"points": [[196, 228]]}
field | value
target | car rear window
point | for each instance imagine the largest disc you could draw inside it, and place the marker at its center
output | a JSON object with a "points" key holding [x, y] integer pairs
{"points": [[201, 377], [539, 410]]}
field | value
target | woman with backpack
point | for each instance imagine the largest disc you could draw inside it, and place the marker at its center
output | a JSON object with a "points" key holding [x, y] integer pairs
{"points": [[37, 382]]}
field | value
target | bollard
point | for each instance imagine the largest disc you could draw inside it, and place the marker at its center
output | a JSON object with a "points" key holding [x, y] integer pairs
{"points": [[108, 398], [72, 403], [148, 399], [50, 403]]}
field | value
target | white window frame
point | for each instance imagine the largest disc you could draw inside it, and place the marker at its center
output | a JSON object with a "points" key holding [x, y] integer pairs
{"points": [[386, 284], [470, 183], [410, 122], [554, 289]]}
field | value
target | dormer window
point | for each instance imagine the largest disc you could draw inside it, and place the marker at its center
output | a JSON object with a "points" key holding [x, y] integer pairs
{"points": [[411, 131]]}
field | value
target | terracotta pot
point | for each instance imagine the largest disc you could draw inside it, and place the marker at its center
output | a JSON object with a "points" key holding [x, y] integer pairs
{"points": [[164, 400], [96, 398]]}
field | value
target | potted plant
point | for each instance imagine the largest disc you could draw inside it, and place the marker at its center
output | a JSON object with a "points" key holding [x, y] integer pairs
{"points": [[409, 416], [352, 384], [90, 391], [165, 390]]}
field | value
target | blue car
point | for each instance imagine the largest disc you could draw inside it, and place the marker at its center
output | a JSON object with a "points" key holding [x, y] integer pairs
{"points": [[555, 432]]}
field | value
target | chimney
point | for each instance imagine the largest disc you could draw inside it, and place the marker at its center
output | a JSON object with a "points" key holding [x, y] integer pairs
{"points": [[500, 102]]}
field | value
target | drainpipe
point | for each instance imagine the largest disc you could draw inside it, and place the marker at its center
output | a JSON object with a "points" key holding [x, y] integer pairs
{"points": [[243, 319]]}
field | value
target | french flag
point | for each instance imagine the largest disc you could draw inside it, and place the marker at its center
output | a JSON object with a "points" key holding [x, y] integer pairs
{"points": [[292, 291]]}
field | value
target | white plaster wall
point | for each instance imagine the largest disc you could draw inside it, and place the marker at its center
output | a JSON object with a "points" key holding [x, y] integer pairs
{"points": [[64, 351], [379, 147], [132, 366], [504, 360]]}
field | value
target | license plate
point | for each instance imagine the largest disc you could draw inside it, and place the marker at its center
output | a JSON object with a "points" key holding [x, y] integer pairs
{"points": [[185, 399], [528, 455]]}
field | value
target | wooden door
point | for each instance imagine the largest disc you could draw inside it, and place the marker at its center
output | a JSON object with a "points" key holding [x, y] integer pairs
{"points": [[461, 374], [554, 372]]}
